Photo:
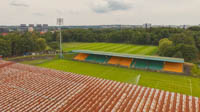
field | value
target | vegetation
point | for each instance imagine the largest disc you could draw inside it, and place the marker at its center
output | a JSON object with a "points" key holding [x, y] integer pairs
{"points": [[18, 44], [195, 71], [112, 47], [164, 81], [183, 43], [180, 46]]}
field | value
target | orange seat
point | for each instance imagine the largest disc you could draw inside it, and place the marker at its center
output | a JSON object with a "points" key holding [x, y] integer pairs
{"points": [[81, 56], [125, 62], [114, 60], [120, 61], [173, 67]]}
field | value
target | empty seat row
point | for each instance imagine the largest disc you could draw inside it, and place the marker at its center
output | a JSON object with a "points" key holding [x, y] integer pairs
{"points": [[132, 63], [120, 61]]}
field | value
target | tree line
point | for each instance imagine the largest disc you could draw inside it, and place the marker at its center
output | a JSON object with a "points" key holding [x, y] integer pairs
{"points": [[16, 44], [172, 42]]}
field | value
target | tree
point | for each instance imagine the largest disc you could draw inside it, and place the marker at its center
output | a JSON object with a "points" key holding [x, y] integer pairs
{"points": [[54, 45], [5, 48], [178, 54], [194, 28], [189, 52], [41, 44], [182, 38], [165, 47]]}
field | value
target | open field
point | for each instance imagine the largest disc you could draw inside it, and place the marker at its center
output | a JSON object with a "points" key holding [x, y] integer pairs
{"points": [[112, 47], [164, 81]]}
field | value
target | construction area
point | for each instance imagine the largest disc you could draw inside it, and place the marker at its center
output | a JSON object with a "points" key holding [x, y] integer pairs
{"points": [[29, 88], [132, 61]]}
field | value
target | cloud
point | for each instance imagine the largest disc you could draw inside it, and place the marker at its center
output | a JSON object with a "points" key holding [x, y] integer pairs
{"points": [[19, 3], [105, 6], [38, 14]]}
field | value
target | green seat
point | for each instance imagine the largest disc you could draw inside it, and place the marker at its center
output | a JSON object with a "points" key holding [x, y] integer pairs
{"points": [[142, 64], [100, 59], [155, 65], [90, 58], [97, 58]]}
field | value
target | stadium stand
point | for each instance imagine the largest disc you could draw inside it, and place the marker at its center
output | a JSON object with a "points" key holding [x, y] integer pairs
{"points": [[81, 56], [102, 59], [26, 88], [97, 58], [155, 65], [91, 58], [135, 61], [114, 60], [126, 62], [141, 64], [173, 67]]}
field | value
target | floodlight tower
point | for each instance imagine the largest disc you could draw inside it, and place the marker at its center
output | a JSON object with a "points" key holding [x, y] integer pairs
{"points": [[60, 23]]}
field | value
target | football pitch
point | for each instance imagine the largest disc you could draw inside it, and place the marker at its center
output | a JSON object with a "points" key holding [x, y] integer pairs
{"points": [[112, 47], [169, 82]]}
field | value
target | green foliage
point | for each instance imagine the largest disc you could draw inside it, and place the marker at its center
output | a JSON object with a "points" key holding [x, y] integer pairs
{"points": [[189, 52], [171, 48], [182, 45], [134, 36], [185, 43], [41, 44], [178, 54], [165, 47], [195, 71], [182, 38], [54, 45], [5, 48], [194, 28], [21, 43]]}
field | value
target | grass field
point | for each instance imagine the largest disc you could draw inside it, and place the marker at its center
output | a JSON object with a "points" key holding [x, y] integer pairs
{"points": [[112, 47], [164, 81]]}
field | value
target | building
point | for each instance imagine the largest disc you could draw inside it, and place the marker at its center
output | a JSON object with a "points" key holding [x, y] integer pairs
{"points": [[4, 29], [147, 25], [45, 27], [38, 27], [31, 25], [23, 28], [30, 29]]}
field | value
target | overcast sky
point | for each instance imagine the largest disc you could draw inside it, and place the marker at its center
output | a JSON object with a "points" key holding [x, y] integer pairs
{"points": [[100, 12]]}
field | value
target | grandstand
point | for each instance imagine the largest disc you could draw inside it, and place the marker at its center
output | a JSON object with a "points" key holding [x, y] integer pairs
{"points": [[26, 88], [155, 63]]}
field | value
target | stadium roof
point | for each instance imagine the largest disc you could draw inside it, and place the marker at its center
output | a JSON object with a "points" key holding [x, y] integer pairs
{"points": [[155, 58], [27, 88]]}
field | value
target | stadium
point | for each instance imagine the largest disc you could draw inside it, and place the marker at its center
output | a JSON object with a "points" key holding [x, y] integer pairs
{"points": [[132, 61], [30, 88]]}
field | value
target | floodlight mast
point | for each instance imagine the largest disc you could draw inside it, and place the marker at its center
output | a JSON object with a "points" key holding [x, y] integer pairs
{"points": [[60, 23]]}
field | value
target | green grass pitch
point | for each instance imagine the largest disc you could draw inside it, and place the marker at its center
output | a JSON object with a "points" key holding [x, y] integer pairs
{"points": [[112, 47], [164, 81]]}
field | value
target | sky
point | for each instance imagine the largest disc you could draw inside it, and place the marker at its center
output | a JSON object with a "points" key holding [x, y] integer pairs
{"points": [[100, 12]]}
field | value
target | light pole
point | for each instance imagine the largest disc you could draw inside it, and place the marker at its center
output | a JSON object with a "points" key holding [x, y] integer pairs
{"points": [[60, 23]]}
